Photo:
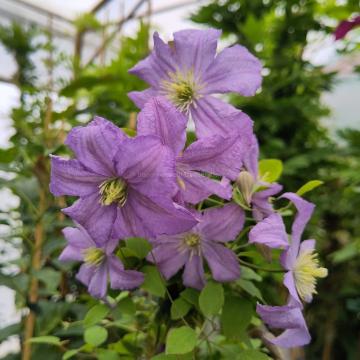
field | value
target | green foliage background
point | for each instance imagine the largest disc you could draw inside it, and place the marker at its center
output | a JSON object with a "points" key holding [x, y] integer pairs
{"points": [[287, 114]]}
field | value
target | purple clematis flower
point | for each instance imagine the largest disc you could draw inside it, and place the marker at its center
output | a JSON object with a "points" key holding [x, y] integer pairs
{"points": [[249, 182], [345, 26], [204, 241], [100, 264], [188, 71], [216, 155], [125, 185], [302, 267]]}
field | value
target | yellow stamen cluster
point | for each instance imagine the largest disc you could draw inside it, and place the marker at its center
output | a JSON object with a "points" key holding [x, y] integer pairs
{"points": [[181, 89], [306, 270], [93, 256], [192, 240], [113, 191]]}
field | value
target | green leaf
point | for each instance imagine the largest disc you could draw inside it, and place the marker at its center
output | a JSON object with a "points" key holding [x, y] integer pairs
{"points": [[191, 296], [50, 340], [70, 353], [270, 169], [211, 298], [163, 356], [153, 282], [249, 274], [250, 288], [236, 316], [180, 340], [310, 185], [96, 314], [139, 246], [95, 335], [179, 308], [127, 306], [107, 355]]}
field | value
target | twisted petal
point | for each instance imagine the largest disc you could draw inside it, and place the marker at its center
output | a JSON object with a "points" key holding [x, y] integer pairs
{"points": [[140, 98], [69, 177], [123, 279], [270, 232], [147, 166], [222, 261], [157, 65], [235, 69], [289, 282], [98, 220], [304, 212], [78, 240], [193, 275], [148, 217], [289, 318], [195, 49], [160, 118], [260, 202], [168, 258], [222, 224], [215, 117], [196, 187], [216, 155], [95, 145]]}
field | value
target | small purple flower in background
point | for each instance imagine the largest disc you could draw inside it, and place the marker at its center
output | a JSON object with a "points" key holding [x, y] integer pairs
{"points": [[100, 264], [188, 71], [302, 265], [203, 242], [345, 26], [216, 155], [254, 193], [125, 184]]}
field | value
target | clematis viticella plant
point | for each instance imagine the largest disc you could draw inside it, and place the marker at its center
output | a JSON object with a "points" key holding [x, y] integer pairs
{"points": [[196, 210]]}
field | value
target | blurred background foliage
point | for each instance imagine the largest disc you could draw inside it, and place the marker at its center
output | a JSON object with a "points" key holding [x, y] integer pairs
{"points": [[287, 115]]}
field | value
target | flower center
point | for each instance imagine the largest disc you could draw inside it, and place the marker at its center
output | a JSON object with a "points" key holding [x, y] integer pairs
{"points": [[113, 191], [246, 184], [192, 240], [181, 89], [306, 270], [93, 256]]}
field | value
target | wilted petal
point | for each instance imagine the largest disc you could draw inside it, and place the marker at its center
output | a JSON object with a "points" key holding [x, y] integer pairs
{"points": [[212, 116], [270, 232], [69, 177], [98, 282], [123, 279], [157, 65], [235, 69], [140, 98], [193, 275], [161, 118], [195, 49], [216, 155], [78, 240], [222, 224], [95, 145], [147, 166], [289, 318], [89, 213], [196, 187], [222, 261], [304, 212]]}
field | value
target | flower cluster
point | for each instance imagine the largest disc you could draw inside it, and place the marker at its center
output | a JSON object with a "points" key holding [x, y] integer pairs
{"points": [[153, 185]]}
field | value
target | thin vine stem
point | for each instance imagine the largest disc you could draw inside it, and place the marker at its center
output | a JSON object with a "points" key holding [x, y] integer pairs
{"points": [[253, 266]]}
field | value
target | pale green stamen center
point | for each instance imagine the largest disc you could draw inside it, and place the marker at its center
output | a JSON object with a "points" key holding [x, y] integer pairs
{"points": [[192, 240], [113, 191], [93, 256], [181, 89], [306, 271]]}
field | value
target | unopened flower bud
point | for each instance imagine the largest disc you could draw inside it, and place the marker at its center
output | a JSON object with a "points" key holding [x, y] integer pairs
{"points": [[246, 183]]}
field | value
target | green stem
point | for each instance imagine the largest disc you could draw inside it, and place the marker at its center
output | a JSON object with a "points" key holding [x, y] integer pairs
{"points": [[253, 266]]}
